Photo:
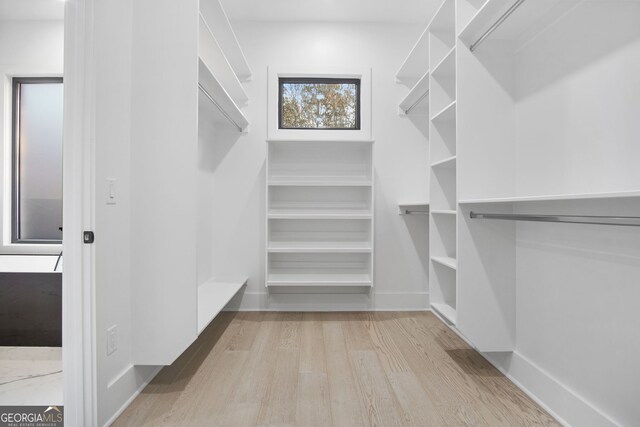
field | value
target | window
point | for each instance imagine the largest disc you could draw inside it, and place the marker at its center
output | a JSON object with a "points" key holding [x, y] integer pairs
{"points": [[37, 160], [319, 103]]}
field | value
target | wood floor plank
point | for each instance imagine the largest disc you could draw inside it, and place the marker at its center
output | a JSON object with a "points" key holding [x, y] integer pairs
{"points": [[312, 356], [347, 408], [279, 405], [417, 408], [259, 368], [381, 404], [324, 369], [313, 402]]}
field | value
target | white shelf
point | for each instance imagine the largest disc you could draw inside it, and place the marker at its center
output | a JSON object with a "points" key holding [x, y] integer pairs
{"points": [[447, 114], [451, 263], [304, 140], [417, 95], [213, 296], [447, 66], [217, 20], [449, 162], [443, 212], [319, 181], [319, 247], [318, 213], [212, 55], [414, 207], [539, 13], [555, 197], [417, 62], [328, 279], [225, 110], [446, 311]]}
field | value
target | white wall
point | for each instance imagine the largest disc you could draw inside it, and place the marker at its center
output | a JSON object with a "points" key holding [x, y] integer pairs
{"points": [[578, 103], [401, 159], [27, 48]]}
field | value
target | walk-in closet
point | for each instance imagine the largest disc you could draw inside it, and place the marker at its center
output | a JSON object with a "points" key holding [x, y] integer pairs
{"points": [[320, 213]]}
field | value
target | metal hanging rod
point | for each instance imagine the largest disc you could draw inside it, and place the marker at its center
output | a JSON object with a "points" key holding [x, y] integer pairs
{"points": [[415, 104], [224, 113], [496, 24], [630, 221], [410, 212]]}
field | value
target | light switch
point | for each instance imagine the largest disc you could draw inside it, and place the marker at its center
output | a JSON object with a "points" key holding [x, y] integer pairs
{"points": [[111, 191], [112, 339]]}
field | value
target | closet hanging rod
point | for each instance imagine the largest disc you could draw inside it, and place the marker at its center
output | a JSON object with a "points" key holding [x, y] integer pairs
{"points": [[496, 24], [411, 212], [630, 221], [415, 104], [224, 113]]}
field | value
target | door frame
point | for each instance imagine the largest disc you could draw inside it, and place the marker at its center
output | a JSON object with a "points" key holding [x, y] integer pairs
{"points": [[78, 280]]}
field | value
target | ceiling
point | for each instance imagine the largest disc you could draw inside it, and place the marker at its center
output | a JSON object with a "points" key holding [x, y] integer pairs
{"points": [[395, 11], [15, 10]]}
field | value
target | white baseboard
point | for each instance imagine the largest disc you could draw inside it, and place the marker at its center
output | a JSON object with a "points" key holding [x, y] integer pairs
{"points": [[377, 301], [562, 403], [127, 386]]}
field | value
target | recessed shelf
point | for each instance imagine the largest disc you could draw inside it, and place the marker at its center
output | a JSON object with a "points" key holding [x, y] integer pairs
{"points": [[221, 107], [446, 311], [212, 55], [556, 197], [213, 296], [320, 181], [451, 263], [318, 213], [413, 208], [305, 140], [537, 13], [449, 162], [447, 114], [417, 62], [319, 247], [217, 20], [443, 212], [447, 66], [319, 279], [417, 95]]}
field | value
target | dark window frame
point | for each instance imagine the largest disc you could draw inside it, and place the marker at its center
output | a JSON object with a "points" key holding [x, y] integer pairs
{"points": [[16, 82], [319, 80]]}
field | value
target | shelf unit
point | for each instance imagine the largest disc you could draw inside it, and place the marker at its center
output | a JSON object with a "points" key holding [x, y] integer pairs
{"points": [[319, 218], [443, 151], [186, 87], [413, 208], [213, 296], [221, 67]]}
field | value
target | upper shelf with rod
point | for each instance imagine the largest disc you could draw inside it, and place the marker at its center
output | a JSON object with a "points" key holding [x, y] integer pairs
{"points": [[221, 68], [220, 27], [512, 20]]}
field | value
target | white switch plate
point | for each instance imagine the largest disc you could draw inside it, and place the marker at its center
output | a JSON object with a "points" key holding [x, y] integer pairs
{"points": [[111, 191], [112, 339]]}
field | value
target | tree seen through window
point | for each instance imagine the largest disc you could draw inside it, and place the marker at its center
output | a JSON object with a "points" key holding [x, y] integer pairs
{"points": [[319, 103]]}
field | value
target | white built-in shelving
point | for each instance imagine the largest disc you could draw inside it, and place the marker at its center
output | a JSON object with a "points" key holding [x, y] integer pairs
{"points": [[443, 152], [185, 45], [213, 296], [221, 68], [319, 214], [421, 208]]}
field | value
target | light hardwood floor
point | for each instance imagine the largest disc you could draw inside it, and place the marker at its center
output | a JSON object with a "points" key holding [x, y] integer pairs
{"points": [[331, 369]]}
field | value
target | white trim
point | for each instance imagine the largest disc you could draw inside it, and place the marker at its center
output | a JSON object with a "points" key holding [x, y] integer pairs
{"points": [[273, 73], [127, 377], [362, 301], [78, 318], [560, 401]]}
